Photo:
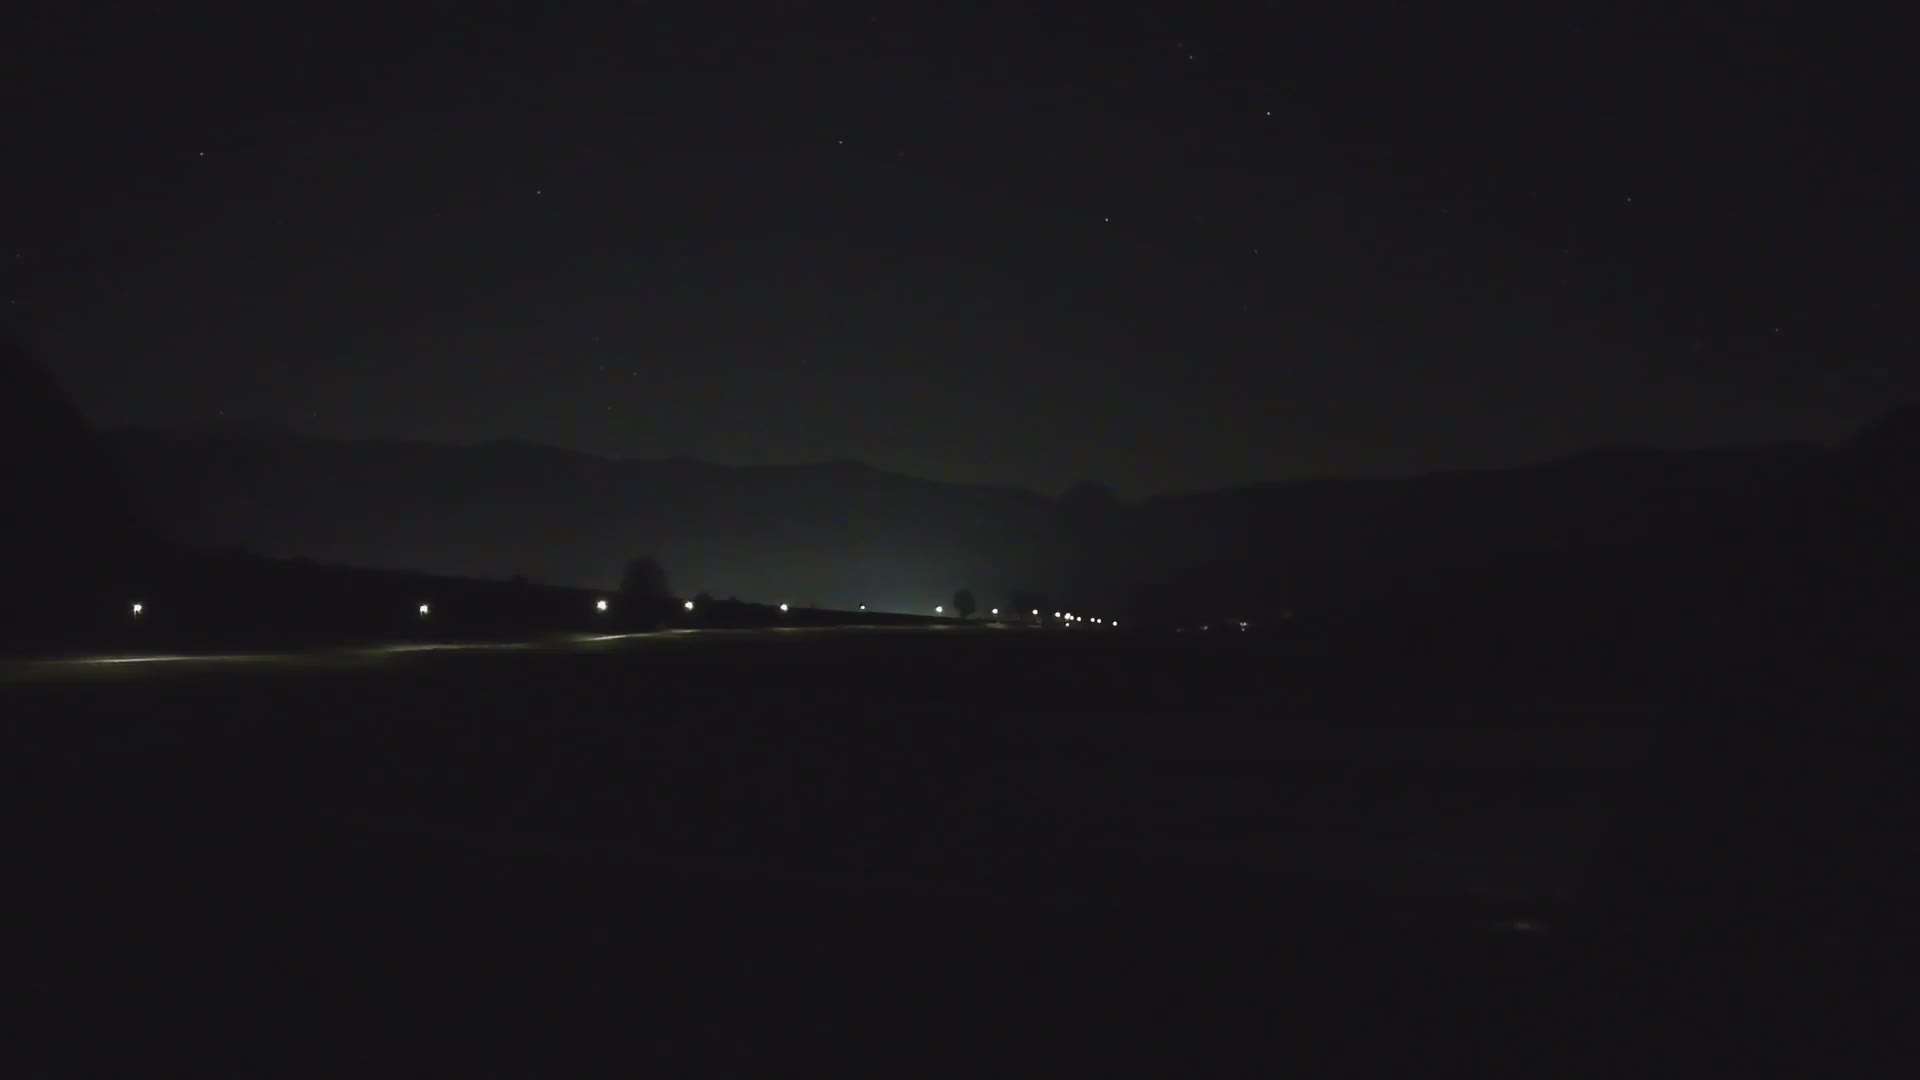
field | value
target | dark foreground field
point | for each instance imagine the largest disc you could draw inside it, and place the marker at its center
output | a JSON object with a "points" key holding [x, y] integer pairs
{"points": [[934, 850]]}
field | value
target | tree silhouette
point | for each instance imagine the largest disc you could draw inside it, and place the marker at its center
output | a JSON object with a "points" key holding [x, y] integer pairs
{"points": [[963, 603], [644, 578]]}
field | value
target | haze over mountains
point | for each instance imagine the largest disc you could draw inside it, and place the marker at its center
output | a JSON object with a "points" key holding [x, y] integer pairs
{"points": [[842, 533]]}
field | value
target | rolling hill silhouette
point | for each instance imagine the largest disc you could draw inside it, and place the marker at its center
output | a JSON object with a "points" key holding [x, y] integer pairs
{"points": [[74, 536], [1621, 527], [85, 569]]}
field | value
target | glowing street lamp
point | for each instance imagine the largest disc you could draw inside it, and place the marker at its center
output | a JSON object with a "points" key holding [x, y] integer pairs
{"points": [[426, 610], [939, 610], [996, 612], [688, 605], [1036, 613], [600, 606], [863, 607], [783, 607], [137, 609]]}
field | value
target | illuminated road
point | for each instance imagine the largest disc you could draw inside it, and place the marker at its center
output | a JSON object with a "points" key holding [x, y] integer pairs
{"points": [[122, 666]]}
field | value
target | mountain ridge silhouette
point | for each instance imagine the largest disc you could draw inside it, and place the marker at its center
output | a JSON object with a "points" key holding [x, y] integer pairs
{"points": [[846, 532]]}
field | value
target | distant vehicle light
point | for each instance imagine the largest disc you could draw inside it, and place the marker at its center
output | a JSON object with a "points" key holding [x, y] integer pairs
{"points": [[425, 610], [783, 607], [688, 605], [137, 608], [599, 605]]}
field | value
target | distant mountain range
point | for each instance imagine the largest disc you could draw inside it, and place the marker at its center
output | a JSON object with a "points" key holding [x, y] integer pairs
{"points": [[842, 533]]}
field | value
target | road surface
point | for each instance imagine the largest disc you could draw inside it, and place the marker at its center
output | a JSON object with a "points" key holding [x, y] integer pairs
{"points": [[135, 665]]}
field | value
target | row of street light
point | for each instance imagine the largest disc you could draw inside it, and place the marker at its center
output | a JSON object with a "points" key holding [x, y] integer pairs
{"points": [[138, 608]]}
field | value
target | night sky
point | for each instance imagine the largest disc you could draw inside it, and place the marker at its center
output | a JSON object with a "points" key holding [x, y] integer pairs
{"points": [[1021, 243]]}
